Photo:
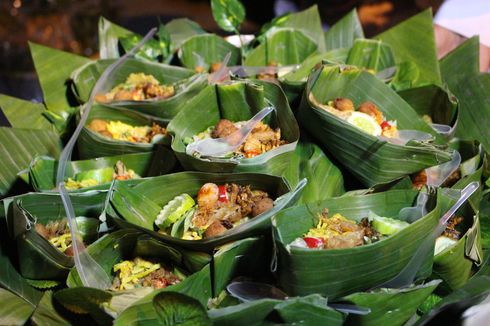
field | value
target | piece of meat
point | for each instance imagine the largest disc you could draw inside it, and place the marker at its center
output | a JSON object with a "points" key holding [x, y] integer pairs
{"points": [[223, 128], [262, 205], [123, 95], [41, 229], [345, 240], [343, 104], [98, 125], [214, 229], [371, 109]]}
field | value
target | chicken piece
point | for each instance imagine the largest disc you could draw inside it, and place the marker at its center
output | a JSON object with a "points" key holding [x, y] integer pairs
{"points": [[223, 128], [371, 109], [123, 95], [101, 98], [252, 147], [156, 129], [343, 104], [262, 205], [199, 69], [345, 240], [98, 125], [215, 67], [216, 228], [157, 91], [42, 230]]}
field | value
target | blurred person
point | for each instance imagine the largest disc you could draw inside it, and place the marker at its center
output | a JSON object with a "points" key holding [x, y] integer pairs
{"points": [[458, 20]]}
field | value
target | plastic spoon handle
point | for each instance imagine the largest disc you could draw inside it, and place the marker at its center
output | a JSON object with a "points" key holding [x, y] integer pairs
{"points": [[407, 275], [436, 175], [219, 75], [221, 146], [91, 274]]}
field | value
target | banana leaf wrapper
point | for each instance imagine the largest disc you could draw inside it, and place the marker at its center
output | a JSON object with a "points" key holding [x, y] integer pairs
{"points": [[137, 206], [237, 101], [389, 306], [204, 50], [271, 50], [368, 158], [38, 258], [186, 83], [307, 310], [42, 170], [456, 264], [104, 305], [338, 272], [91, 144]]}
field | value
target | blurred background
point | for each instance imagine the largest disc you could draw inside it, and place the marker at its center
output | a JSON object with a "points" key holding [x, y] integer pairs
{"points": [[71, 25]]}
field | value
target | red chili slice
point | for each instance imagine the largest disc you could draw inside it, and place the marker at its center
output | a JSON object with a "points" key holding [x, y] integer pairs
{"points": [[222, 194], [385, 125], [312, 242]]}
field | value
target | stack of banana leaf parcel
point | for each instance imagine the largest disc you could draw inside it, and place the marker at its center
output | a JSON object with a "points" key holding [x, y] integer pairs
{"points": [[292, 176]]}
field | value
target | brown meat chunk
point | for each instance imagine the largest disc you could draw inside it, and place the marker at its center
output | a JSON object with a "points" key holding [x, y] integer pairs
{"points": [[123, 95], [371, 109], [262, 206], [98, 125], [343, 104], [223, 128], [214, 229]]}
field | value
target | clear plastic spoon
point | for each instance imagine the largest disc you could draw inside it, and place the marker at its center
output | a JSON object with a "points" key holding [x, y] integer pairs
{"points": [[412, 214], [90, 272], [444, 130], [436, 175], [220, 146], [222, 72], [407, 274], [247, 71], [251, 291]]}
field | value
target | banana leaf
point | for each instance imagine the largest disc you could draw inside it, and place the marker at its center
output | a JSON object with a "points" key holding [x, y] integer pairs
{"points": [[109, 34], [485, 220], [239, 258], [456, 264], [474, 292], [293, 83], [338, 272], [19, 147], [237, 101], [42, 170], [165, 308], [113, 37], [368, 158], [307, 21], [137, 206], [389, 306], [92, 144], [308, 310], [272, 51], [38, 258], [181, 29], [14, 310], [413, 41], [111, 249], [46, 313], [324, 179], [373, 55], [433, 101], [186, 84], [53, 68], [205, 49], [24, 114], [462, 66], [344, 32]]}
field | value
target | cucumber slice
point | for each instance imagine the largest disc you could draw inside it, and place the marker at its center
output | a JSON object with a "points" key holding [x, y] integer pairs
{"points": [[386, 225], [174, 210]]}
